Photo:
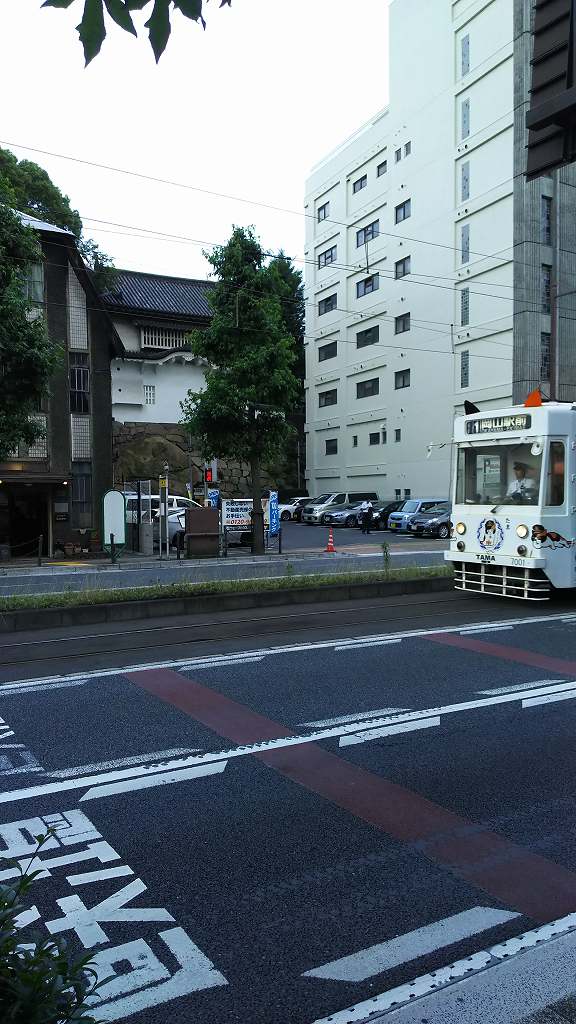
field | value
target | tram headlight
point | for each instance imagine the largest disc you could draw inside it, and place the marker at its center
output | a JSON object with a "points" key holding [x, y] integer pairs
{"points": [[522, 549], [522, 531], [461, 528], [461, 545]]}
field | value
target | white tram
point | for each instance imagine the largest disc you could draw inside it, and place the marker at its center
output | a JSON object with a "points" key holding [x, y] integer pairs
{"points": [[514, 501]]}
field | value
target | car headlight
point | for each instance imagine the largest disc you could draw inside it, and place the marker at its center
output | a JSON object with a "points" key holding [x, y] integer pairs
{"points": [[460, 528], [522, 531]]}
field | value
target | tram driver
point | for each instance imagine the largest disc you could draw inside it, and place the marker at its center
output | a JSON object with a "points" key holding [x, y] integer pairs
{"points": [[523, 488]]}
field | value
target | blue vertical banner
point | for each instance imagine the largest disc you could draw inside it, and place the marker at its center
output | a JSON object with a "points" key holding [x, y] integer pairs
{"points": [[213, 496], [274, 514]]}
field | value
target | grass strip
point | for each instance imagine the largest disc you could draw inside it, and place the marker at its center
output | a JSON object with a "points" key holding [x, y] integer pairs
{"points": [[87, 598]]}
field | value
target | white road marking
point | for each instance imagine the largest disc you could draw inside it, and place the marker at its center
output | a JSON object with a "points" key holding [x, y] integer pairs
{"points": [[343, 719], [297, 740], [119, 762], [9, 691], [286, 649], [165, 779], [368, 643], [385, 955], [517, 687], [388, 730], [88, 877], [484, 629], [548, 698], [428, 983]]}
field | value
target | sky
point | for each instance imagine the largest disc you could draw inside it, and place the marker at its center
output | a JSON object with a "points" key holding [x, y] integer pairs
{"points": [[245, 108]]}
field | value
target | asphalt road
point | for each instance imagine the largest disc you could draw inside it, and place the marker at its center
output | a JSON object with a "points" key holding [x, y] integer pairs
{"points": [[297, 821]]}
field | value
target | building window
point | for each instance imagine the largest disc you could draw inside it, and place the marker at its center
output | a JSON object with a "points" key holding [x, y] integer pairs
{"points": [[158, 336], [384, 435], [331, 446], [81, 494], [367, 233], [360, 183], [398, 156], [546, 284], [545, 356], [546, 220], [81, 440], [465, 369], [465, 112], [465, 243], [77, 318], [39, 450], [397, 434], [327, 351], [402, 323], [369, 284], [401, 379], [465, 180], [407, 148], [381, 168], [368, 337], [33, 284], [397, 494], [464, 307], [323, 212], [79, 382], [403, 211], [465, 55], [327, 398], [149, 394], [402, 267], [368, 388], [354, 440], [374, 438], [327, 305], [327, 257], [407, 492]]}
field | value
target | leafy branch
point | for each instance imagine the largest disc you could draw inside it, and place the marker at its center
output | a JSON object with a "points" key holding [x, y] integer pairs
{"points": [[92, 28]]}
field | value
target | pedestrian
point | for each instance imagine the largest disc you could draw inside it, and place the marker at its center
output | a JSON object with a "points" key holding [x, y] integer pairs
{"points": [[366, 516]]}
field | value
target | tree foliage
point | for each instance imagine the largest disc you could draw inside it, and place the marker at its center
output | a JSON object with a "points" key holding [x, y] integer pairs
{"points": [[40, 983], [251, 387], [92, 28], [27, 356], [27, 187]]}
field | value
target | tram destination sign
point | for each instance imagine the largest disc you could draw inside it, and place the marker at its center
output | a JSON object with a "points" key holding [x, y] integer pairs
{"points": [[495, 424]]}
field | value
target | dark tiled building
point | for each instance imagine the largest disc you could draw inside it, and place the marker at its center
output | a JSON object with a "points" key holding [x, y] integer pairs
{"points": [[54, 489]]}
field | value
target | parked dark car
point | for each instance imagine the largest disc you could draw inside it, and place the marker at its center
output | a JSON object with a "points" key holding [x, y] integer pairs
{"points": [[435, 522], [380, 512]]}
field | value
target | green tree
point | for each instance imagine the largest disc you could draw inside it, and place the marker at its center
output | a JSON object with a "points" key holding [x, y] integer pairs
{"points": [[27, 187], [288, 284], [250, 385], [27, 356], [92, 28]]}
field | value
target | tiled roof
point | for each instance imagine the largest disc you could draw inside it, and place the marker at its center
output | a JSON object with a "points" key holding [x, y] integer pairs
{"points": [[154, 293]]}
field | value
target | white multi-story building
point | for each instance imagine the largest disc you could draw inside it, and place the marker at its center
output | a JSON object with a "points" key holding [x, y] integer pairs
{"points": [[411, 229]]}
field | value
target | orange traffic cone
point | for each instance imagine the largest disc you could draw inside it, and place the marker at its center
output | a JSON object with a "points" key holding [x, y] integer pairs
{"points": [[330, 545]]}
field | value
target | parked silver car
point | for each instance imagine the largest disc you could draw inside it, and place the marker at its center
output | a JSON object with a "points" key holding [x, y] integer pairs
{"points": [[399, 521]]}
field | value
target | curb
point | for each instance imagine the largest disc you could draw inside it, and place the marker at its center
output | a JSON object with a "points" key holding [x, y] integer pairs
{"points": [[125, 611]]}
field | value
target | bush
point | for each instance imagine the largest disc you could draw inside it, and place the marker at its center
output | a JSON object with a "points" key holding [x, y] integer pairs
{"points": [[40, 983]]}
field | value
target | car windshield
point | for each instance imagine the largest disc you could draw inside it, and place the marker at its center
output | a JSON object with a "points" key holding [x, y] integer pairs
{"points": [[321, 500], [409, 506], [436, 510], [499, 474]]}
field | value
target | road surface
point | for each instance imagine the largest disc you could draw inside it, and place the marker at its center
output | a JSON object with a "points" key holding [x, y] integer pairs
{"points": [[301, 822]]}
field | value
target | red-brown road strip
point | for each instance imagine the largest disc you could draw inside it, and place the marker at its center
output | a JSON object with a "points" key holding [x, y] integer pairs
{"points": [[519, 654], [523, 881]]}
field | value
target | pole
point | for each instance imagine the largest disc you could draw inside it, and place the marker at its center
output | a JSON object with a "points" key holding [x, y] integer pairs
{"points": [[554, 295], [280, 540], [112, 550], [138, 515], [298, 468], [40, 546]]}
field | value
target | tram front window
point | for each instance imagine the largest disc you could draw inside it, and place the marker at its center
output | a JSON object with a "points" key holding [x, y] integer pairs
{"points": [[498, 475]]}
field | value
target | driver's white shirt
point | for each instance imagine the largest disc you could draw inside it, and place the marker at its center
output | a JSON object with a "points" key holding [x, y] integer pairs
{"points": [[524, 486]]}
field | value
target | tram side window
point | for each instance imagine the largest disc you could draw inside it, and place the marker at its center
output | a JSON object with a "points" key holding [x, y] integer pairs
{"points": [[555, 483]]}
